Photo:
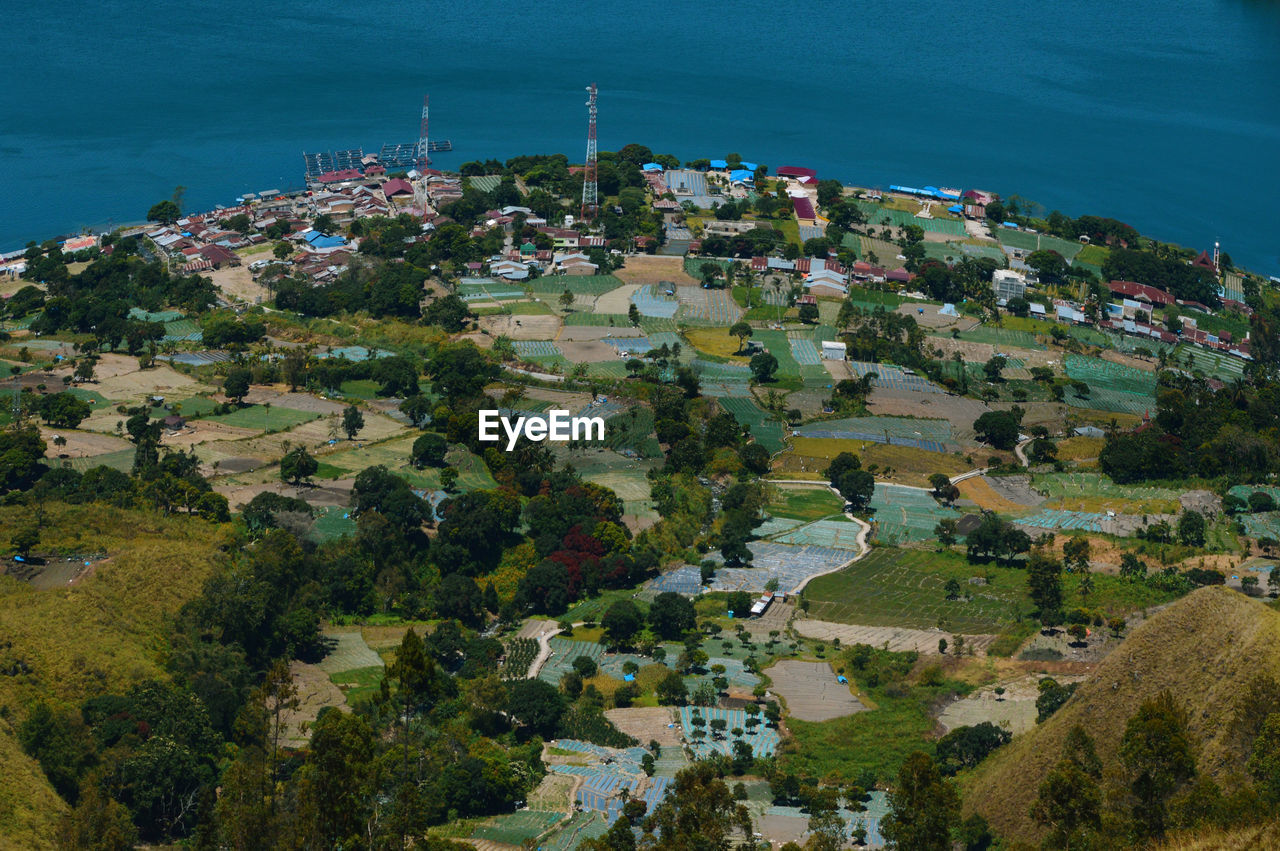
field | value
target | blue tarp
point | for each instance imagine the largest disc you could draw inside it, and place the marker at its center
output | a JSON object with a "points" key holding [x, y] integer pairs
{"points": [[742, 175], [719, 163], [651, 167], [1013, 225], [955, 208], [750, 166]]}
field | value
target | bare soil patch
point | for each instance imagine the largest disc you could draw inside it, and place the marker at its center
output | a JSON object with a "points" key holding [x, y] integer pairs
{"points": [[898, 638], [646, 723], [653, 268], [957, 410], [237, 284], [315, 692], [521, 327], [616, 300], [597, 332], [812, 691], [81, 444], [928, 316], [587, 351], [160, 380], [204, 431]]}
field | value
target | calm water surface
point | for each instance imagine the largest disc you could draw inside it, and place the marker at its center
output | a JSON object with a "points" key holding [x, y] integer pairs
{"points": [[1164, 114]]}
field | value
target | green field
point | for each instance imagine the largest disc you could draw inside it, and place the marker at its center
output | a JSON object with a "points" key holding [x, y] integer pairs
{"points": [[764, 428], [196, 406], [579, 285], [600, 320], [263, 418], [893, 587], [804, 503]]}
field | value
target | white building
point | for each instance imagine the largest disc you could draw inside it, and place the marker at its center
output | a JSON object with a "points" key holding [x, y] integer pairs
{"points": [[1008, 284]]}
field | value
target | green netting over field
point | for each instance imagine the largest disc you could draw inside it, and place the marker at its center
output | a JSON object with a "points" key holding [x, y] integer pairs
{"points": [[1060, 486], [953, 227], [485, 182], [905, 427], [842, 534], [490, 291], [1103, 374], [1117, 401], [121, 460], [599, 320], [1263, 525], [990, 251], [766, 430], [905, 514], [1091, 336], [577, 284], [776, 343], [515, 828], [1243, 491], [1216, 364], [182, 331], [1002, 337], [158, 316], [1035, 241]]}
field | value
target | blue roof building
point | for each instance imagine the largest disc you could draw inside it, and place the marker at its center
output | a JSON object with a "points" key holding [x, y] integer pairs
{"points": [[750, 166], [318, 240], [741, 175], [651, 167], [720, 164]]}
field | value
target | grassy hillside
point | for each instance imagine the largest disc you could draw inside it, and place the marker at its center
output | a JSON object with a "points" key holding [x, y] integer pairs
{"points": [[1205, 649], [99, 634]]}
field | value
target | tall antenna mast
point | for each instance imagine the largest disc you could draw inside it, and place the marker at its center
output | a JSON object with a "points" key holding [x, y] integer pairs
{"points": [[423, 159], [1217, 255], [590, 200]]}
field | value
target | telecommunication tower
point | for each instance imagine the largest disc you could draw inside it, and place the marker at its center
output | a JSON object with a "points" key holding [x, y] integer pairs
{"points": [[590, 201], [423, 145], [1217, 257]]}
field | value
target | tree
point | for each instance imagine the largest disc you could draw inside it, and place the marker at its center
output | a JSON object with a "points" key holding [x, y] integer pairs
{"points": [[856, 487], [671, 615], [1191, 528], [281, 250], [946, 531], [62, 410], [236, 385], [418, 409], [621, 622], [965, 747], [808, 313], [297, 465], [1075, 554], [448, 478], [460, 370], [352, 421], [633, 314], [166, 213], [1052, 695], [952, 588], [741, 330], [671, 689], [923, 807], [998, 428], [535, 705], [1157, 756], [994, 366], [566, 299], [1044, 583], [1042, 451], [429, 451], [763, 366], [1069, 803], [1264, 762], [1048, 264], [21, 458]]}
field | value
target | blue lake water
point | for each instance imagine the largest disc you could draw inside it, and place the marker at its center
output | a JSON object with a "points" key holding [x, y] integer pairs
{"points": [[1164, 114]]}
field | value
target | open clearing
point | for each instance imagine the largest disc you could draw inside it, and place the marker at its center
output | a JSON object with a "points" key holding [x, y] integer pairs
{"points": [[895, 638], [979, 491], [812, 691], [647, 723], [81, 444], [1014, 711], [905, 588], [652, 269], [315, 692]]}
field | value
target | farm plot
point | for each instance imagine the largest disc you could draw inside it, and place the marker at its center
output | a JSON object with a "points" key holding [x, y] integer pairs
{"points": [[893, 377], [805, 352], [563, 652], [533, 349], [763, 740], [579, 285], [519, 656], [838, 534], [766, 430], [1096, 493], [812, 691], [1112, 386], [979, 491], [896, 638], [1216, 364], [686, 579], [707, 307], [778, 345], [1265, 524], [931, 434], [791, 566], [652, 300], [518, 827], [631, 486], [1003, 338], [264, 418], [907, 588], [349, 653], [905, 514]]}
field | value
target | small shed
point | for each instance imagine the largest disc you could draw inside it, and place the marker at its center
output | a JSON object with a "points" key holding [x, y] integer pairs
{"points": [[832, 350]]}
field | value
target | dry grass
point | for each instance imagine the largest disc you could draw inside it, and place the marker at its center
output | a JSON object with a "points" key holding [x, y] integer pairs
{"points": [[651, 269], [1080, 448], [716, 341], [985, 496], [1205, 649], [100, 635], [907, 465]]}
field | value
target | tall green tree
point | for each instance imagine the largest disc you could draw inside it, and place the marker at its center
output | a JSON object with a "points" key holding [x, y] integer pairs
{"points": [[1158, 758], [923, 807], [297, 465], [1070, 800], [1044, 583]]}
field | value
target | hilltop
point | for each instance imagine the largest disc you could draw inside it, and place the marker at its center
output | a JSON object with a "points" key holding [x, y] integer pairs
{"points": [[1206, 649]]}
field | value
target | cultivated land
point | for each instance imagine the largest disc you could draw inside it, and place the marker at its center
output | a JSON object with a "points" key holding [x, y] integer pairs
{"points": [[905, 426]]}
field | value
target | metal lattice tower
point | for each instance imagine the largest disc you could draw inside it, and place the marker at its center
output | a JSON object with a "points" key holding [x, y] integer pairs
{"points": [[423, 159], [590, 201], [1217, 257]]}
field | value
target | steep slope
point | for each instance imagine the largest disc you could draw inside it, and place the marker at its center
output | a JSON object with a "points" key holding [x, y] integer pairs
{"points": [[1206, 649], [102, 633]]}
